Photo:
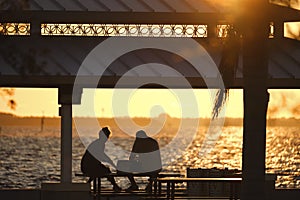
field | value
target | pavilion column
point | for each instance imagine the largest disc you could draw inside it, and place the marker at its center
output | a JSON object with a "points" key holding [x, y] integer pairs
{"points": [[66, 99], [255, 31]]}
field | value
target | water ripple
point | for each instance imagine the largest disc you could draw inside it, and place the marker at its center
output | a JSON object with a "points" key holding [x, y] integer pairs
{"points": [[29, 158]]}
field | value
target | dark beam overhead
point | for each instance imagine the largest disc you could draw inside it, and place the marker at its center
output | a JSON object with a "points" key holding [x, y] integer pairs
{"points": [[111, 17], [110, 82], [46, 16], [283, 14]]}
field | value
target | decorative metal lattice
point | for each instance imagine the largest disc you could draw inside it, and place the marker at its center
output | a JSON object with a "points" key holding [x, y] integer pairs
{"points": [[140, 30], [14, 28], [222, 30]]}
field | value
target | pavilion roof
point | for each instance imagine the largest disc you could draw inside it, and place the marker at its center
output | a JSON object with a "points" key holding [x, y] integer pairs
{"points": [[59, 61], [120, 5], [59, 57]]}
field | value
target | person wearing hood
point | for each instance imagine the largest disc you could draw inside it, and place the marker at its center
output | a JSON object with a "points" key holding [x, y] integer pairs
{"points": [[146, 153]]}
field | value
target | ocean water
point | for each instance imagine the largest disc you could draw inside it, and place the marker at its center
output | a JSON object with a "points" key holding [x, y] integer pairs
{"points": [[30, 157]]}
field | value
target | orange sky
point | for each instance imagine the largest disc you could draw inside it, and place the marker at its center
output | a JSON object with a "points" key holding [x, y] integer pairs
{"points": [[38, 102]]}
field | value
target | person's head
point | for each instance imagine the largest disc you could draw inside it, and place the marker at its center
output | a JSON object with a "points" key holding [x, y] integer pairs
{"points": [[141, 134], [105, 132]]}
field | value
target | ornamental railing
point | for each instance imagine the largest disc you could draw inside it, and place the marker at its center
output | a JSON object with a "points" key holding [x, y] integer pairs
{"points": [[129, 30], [139, 30], [14, 28]]}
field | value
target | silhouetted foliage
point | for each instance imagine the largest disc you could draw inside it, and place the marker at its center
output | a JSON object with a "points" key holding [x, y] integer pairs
{"points": [[25, 62], [7, 94], [14, 4], [227, 68]]}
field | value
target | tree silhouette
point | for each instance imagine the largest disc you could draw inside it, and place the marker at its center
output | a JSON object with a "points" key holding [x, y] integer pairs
{"points": [[14, 4], [227, 68], [7, 94]]}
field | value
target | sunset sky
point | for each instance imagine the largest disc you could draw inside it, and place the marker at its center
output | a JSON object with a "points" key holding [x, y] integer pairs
{"points": [[145, 103]]}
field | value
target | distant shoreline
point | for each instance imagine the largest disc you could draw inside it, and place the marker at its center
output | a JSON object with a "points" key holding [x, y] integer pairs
{"points": [[7, 119]]}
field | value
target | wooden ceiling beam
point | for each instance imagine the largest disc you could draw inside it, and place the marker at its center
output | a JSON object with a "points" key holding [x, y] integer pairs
{"points": [[283, 14], [111, 17], [133, 82]]}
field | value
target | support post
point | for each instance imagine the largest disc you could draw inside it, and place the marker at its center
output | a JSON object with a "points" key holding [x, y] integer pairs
{"points": [[212, 31], [66, 143], [255, 30], [66, 98], [279, 30]]}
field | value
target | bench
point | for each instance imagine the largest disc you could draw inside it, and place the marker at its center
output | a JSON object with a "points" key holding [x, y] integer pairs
{"points": [[172, 181], [96, 182]]}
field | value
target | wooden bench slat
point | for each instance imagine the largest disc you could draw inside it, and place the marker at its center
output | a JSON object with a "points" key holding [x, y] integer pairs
{"points": [[96, 181], [171, 181], [184, 179]]}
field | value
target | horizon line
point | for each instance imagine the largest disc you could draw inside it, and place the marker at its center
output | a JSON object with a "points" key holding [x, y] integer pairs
{"points": [[106, 117]]}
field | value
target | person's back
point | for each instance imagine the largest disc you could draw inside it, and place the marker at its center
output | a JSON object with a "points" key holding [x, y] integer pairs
{"points": [[147, 151]]}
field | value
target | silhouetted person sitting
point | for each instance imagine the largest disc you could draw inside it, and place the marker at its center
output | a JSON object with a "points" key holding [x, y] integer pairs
{"points": [[91, 164], [146, 152]]}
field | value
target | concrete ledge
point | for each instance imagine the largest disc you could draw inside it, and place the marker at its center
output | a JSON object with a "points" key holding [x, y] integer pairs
{"points": [[63, 191], [286, 194], [78, 187], [17, 194]]}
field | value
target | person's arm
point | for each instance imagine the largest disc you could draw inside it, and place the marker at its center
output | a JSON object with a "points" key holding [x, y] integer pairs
{"points": [[106, 158], [97, 150]]}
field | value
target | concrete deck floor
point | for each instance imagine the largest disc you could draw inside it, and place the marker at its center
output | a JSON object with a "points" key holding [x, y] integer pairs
{"points": [[37, 194]]}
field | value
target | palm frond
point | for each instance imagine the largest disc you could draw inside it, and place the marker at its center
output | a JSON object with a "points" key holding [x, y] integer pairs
{"points": [[227, 68]]}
